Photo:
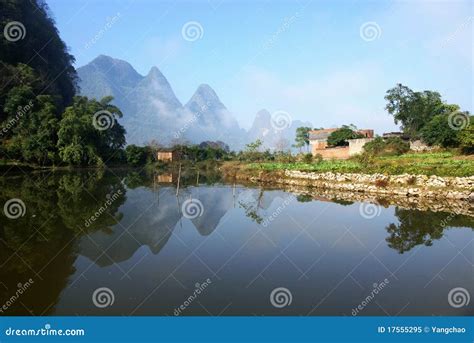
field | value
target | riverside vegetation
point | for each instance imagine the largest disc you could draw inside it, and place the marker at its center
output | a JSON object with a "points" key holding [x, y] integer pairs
{"points": [[43, 123]]}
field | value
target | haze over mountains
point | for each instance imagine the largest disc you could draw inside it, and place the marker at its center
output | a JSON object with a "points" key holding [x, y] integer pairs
{"points": [[151, 110]]}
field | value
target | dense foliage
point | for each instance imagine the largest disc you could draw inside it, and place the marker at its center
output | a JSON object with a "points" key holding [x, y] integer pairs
{"points": [[81, 140], [424, 115], [302, 137], [340, 137], [203, 152], [466, 138], [138, 155], [41, 122], [388, 146], [41, 48], [438, 131]]}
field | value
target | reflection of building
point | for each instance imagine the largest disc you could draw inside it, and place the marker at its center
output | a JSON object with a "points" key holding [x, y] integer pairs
{"points": [[167, 155], [164, 178], [319, 144]]}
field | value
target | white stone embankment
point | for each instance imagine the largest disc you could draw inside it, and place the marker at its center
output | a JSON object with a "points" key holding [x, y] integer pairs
{"points": [[437, 187]]}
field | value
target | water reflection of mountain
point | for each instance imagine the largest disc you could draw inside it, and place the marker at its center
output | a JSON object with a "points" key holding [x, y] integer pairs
{"points": [[216, 201], [149, 219], [45, 242], [150, 216]]}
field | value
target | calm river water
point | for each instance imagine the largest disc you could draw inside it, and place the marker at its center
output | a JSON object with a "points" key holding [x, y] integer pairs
{"points": [[123, 243]]}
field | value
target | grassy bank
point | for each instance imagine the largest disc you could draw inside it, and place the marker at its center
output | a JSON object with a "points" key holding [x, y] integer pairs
{"points": [[440, 163]]}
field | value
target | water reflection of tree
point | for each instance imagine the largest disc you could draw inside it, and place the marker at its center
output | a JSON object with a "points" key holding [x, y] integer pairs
{"points": [[41, 244], [135, 179], [252, 207], [421, 227], [81, 196]]}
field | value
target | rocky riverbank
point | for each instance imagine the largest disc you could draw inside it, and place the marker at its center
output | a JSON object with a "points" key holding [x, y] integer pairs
{"points": [[454, 206], [405, 185]]}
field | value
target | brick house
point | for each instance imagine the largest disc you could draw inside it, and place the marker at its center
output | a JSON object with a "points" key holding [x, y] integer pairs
{"points": [[319, 144]]}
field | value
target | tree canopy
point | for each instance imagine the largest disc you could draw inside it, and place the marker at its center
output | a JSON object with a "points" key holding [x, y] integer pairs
{"points": [[41, 48], [81, 140], [425, 115], [41, 121], [340, 136], [302, 137]]}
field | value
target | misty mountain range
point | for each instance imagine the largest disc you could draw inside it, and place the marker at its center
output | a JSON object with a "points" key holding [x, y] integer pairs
{"points": [[151, 110]]}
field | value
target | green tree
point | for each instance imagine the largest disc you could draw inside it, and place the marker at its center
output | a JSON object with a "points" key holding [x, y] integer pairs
{"points": [[136, 155], [41, 48], [29, 131], [302, 137], [466, 137], [388, 146], [413, 110], [438, 132], [38, 134], [340, 136], [254, 146], [82, 140]]}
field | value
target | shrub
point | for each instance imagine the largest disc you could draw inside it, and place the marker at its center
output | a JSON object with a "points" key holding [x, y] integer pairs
{"points": [[466, 138], [318, 158], [308, 158], [340, 136], [365, 159], [136, 155], [439, 130], [387, 147]]}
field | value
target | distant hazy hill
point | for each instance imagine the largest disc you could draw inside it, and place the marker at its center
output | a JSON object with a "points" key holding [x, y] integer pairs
{"points": [[273, 135], [152, 111]]}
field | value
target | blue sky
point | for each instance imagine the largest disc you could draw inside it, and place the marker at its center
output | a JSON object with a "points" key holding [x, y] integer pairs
{"points": [[310, 59]]}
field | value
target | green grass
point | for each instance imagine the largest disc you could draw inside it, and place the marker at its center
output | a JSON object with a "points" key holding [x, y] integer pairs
{"points": [[441, 164]]}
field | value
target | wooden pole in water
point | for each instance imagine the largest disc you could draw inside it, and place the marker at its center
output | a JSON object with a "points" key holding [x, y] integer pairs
{"points": [[179, 178], [197, 178], [233, 195]]}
